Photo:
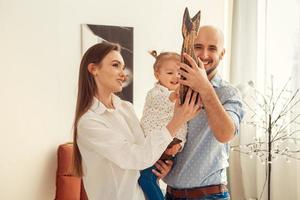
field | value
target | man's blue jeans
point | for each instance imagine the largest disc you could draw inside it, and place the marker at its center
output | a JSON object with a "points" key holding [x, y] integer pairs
{"points": [[220, 196], [149, 184]]}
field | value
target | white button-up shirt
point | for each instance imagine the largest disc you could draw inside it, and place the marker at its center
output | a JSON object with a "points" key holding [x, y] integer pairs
{"points": [[114, 150]]}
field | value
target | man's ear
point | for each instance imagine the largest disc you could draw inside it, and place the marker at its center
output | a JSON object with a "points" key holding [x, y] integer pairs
{"points": [[222, 54], [156, 74], [92, 69]]}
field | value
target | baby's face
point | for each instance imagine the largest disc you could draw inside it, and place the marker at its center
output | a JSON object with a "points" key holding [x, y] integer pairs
{"points": [[167, 74]]}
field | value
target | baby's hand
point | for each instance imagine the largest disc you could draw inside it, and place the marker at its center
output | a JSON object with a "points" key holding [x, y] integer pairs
{"points": [[174, 95], [173, 150]]}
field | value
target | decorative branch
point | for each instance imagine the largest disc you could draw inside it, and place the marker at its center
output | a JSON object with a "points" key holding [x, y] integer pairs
{"points": [[275, 119]]}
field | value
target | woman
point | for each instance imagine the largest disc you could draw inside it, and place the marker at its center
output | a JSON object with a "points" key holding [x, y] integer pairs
{"points": [[110, 146]]}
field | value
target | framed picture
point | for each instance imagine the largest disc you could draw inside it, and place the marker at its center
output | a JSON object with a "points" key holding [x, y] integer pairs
{"points": [[92, 34]]}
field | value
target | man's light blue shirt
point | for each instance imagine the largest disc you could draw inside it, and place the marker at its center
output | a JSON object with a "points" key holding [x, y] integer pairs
{"points": [[203, 160]]}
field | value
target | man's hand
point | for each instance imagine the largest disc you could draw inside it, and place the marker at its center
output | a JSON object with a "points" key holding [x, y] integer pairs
{"points": [[163, 168], [195, 76]]}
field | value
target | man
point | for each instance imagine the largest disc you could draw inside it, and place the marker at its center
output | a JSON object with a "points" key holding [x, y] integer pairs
{"points": [[199, 171]]}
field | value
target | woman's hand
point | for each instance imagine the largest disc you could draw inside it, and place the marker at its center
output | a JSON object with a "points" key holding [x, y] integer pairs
{"points": [[189, 109], [173, 150], [163, 168], [184, 112]]}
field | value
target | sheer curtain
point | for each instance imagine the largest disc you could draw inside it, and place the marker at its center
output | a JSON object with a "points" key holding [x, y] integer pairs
{"points": [[282, 61], [265, 41], [243, 62]]}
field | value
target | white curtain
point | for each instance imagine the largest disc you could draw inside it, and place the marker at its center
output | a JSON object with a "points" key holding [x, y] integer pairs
{"points": [[243, 65], [265, 40], [282, 60]]}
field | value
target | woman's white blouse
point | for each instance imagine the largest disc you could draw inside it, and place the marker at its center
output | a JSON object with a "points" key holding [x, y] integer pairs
{"points": [[114, 150]]}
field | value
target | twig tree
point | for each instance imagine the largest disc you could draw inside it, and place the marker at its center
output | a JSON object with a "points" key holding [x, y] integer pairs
{"points": [[275, 118]]}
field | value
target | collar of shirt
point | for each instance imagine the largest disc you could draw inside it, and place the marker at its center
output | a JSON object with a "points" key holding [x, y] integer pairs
{"points": [[162, 88], [99, 108], [216, 81]]}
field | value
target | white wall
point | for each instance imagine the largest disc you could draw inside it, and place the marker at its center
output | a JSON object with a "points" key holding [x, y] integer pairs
{"points": [[39, 60]]}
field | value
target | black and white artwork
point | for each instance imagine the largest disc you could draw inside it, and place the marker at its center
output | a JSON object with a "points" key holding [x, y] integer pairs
{"points": [[92, 34]]}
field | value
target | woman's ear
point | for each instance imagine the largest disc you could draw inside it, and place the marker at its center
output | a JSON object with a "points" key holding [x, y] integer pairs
{"points": [[92, 69]]}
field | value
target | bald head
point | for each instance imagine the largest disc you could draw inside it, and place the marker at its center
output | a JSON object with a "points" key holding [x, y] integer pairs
{"points": [[212, 32]]}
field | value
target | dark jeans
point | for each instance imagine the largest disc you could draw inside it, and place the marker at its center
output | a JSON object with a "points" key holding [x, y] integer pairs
{"points": [[220, 196], [149, 184]]}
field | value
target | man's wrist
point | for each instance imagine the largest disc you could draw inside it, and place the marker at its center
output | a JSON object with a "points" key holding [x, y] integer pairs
{"points": [[205, 90]]}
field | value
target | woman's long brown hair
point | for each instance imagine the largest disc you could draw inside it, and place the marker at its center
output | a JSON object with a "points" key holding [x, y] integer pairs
{"points": [[87, 89]]}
